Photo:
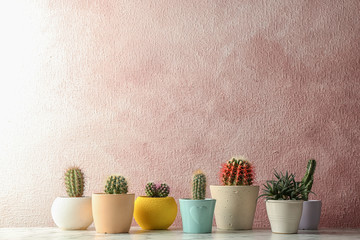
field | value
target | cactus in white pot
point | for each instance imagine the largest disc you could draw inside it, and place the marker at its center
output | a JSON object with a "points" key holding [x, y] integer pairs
{"points": [[74, 211]]}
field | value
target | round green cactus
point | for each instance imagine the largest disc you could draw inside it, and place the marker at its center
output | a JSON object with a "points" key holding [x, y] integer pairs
{"points": [[199, 185], [150, 189], [74, 182], [163, 190], [116, 185], [153, 190]]}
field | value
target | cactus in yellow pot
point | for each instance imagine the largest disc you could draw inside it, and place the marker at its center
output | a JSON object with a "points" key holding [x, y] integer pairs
{"points": [[155, 210]]}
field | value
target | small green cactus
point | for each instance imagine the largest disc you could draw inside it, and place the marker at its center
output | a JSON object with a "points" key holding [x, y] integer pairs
{"points": [[163, 190], [153, 190], [199, 185], [308, 179], [116, 185], [74, 182]]}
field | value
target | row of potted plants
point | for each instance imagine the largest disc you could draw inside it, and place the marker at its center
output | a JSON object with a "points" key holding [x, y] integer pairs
{"points": [[234, 203]]}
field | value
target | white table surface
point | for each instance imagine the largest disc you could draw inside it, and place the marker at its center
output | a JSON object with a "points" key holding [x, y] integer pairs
{"points": [[174, 234]]}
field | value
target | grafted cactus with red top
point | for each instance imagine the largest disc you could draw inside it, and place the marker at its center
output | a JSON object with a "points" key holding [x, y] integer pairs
{"points": [[237, 172]]}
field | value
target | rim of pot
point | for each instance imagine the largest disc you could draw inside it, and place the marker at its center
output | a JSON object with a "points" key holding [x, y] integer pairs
{"points": [[190, 199], [286, 201], [234, 185], [114, 194], [67, 197], [155, 197]]}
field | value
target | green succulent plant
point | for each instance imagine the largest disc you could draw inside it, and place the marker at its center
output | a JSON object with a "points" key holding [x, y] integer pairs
{"points": [[284, 188]]}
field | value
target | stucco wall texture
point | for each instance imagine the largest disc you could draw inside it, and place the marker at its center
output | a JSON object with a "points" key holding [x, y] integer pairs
{"points": [[154, 90]]}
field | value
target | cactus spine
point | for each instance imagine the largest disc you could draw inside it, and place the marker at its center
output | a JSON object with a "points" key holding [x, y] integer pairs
{"points": [[152, 190], [199, 185], [237, 172], [308, 179], [116, 185], [74, 182]]}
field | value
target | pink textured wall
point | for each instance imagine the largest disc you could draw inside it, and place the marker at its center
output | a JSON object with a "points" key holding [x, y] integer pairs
{"points": [[156, 89]]}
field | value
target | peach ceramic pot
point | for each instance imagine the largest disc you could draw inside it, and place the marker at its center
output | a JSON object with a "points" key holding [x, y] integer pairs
{"points": [[235, 206], [72, 213], [113, 213], [284, 215], [155, 212]]}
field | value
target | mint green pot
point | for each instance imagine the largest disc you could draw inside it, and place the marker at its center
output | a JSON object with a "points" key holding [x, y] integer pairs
{"points": [[197, 215]]}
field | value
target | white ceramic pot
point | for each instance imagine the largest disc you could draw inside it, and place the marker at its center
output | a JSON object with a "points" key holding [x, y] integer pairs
{"points": [[310, 217], [284, 215], [235, 206], [72, 213]]}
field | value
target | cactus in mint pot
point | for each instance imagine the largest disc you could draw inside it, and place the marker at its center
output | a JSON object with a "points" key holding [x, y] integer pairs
{"points": [[194, 220], [74, 211], [198, 185]]}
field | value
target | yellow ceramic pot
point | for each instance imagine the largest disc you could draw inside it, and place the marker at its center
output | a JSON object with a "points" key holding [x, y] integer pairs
{"points": [[155, 212]]}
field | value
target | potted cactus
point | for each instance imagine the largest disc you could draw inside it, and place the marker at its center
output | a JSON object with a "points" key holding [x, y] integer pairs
{"points": [[113, 210], [236, 197], [311, 212], [197, 213], [73, 212], [155, 210], [284, 202]]}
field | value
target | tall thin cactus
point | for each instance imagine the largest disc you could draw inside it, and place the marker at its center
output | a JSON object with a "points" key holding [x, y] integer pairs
{"points": [[308, 179], [199, 185], [74, 182]]}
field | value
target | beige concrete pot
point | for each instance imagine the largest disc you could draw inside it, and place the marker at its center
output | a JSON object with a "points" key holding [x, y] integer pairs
{"points": [[284, 215], [113, 213], [72, 213], [235, 206]]}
